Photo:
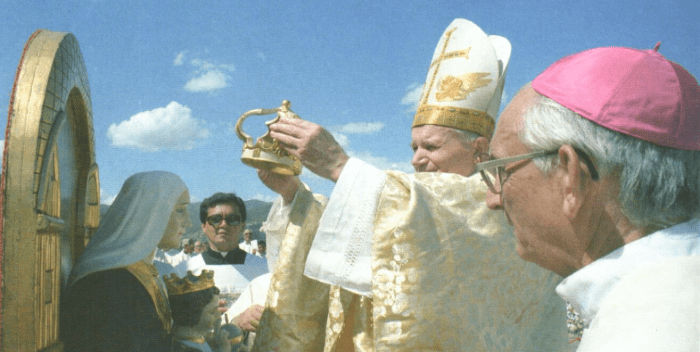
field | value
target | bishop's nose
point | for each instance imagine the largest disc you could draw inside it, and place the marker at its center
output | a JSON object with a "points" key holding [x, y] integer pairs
{"points": [[494, 201]]}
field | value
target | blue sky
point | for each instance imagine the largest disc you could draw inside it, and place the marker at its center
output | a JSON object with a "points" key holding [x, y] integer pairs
{"points": [[169, 79]]}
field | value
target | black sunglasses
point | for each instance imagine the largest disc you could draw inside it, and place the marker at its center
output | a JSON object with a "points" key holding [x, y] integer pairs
{"points": [[231, 219]]}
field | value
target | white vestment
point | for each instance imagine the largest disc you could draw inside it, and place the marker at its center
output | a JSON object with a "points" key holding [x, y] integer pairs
{"points": [[644, 296], [248, 247]]}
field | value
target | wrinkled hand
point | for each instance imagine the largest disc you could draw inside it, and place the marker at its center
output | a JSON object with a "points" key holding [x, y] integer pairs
{"points": [[250, 318], [312, 144], [284, 185]]}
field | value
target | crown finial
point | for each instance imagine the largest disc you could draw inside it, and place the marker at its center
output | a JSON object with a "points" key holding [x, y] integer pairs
{"points": [[190, 283]]}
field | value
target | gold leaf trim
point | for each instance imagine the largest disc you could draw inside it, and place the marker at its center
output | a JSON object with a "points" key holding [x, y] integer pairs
{"points": [[459, 118]]}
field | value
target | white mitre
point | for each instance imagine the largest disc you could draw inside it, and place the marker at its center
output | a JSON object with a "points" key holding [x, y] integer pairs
{"points": [[465, 80]]}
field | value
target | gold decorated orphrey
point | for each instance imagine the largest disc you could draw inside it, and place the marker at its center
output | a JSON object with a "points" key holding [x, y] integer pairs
{"points": [[49, 188], [265, 152]]}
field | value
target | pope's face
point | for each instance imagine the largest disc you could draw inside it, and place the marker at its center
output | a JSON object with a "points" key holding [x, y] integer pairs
{"points": [[441, 149], [531, 201], [223, 236], [178, 223]]}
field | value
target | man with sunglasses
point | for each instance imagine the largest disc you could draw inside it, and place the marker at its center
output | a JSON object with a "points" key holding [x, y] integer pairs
{"points": [[596, 165], [223, 217], [415, 261], [223, 221]]}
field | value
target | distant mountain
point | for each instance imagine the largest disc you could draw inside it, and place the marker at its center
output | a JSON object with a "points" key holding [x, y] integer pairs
{"points": [[256, 213]]}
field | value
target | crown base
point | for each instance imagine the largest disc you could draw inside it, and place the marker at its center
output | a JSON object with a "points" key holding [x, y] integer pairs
{"points": [[261, 159]]}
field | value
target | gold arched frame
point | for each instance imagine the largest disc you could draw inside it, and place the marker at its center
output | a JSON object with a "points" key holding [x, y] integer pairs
{"points": [[50, 188]]}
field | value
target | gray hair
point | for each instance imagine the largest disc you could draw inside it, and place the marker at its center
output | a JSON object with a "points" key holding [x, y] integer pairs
{"points": [[466, 136], [659, 186]]}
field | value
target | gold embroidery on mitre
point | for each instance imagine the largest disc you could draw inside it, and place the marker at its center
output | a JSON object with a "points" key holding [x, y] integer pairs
{"points": [[451, 55], [459, 118], [453, 88]]}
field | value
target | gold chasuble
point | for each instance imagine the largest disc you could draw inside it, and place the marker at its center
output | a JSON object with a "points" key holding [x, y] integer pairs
{"points": [[445, 277], [297, 306]]}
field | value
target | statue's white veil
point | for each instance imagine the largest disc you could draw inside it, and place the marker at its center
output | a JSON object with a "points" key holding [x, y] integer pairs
{"points": [[134, 224]]}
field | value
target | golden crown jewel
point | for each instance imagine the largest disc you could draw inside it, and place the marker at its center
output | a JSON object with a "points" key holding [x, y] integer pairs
{"points": [[265, 151], [190, 283]]}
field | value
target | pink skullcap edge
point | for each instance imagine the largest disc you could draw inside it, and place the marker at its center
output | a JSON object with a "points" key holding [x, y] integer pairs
{"points": [[635, 92]]}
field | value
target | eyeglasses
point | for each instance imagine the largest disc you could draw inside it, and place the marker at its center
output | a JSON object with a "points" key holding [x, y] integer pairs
{"points": [[490, 170], [231, 219]]}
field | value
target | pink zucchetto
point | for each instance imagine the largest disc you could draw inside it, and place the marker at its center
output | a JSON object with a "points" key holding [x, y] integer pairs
{"points": [[636, 92]]}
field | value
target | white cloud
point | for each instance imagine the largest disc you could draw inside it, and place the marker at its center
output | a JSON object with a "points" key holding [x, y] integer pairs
{"points": [[171, 127], [106, 198], [207, 81], [361, 128], [342, 139], [340, 132], [180, 58], [412, 96], [262, 57], [504, 100], [382, 163], [208, 76], [264, 198]]}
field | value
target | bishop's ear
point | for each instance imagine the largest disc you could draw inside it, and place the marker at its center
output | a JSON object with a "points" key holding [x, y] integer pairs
{"points": [[572, 179]]}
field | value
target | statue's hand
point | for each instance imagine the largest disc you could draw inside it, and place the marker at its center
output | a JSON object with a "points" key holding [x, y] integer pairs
{"points": [[220, 341]]}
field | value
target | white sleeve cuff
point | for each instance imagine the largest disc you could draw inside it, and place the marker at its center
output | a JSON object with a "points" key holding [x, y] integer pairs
{"points": [[341, 253]]}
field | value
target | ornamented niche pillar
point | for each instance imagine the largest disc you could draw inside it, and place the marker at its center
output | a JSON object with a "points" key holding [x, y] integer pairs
{"points": [[49, 189]]}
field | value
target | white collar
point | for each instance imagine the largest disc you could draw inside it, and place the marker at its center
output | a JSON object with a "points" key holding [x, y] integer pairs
{"points": [[586, 288]]}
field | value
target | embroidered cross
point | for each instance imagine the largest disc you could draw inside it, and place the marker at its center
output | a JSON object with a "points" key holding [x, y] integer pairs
{"points": [[444, 55]]}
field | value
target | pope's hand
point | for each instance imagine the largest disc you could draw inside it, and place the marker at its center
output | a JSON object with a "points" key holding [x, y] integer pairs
{"points": [[250, 318], [284, 185], [312, 144]]}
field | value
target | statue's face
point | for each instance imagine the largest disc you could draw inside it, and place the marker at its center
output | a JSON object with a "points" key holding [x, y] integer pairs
{"points": [[178, 223], [210, 317]]}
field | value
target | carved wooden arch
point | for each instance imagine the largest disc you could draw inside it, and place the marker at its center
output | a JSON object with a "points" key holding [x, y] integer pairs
{"points": [[49, 188]]}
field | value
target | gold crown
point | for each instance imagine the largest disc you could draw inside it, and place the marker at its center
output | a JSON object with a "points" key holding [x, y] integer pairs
{"points": [[266, 152], [189, 283]]}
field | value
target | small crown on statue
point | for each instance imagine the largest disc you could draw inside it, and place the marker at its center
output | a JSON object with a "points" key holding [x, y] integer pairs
{"points": [[190, 283]]}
